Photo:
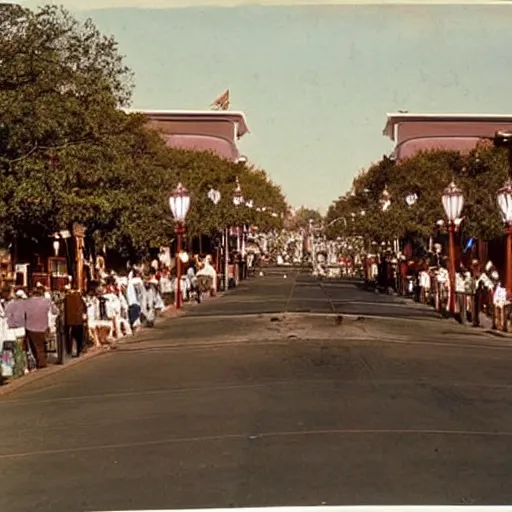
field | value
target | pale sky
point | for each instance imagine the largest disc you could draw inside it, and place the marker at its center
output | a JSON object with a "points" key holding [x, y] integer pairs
{"points": [[167, 4], [315, 81]]}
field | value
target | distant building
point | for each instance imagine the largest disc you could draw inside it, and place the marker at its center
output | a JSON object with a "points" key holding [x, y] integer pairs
{"points": [[461, 132], [216, 131]]}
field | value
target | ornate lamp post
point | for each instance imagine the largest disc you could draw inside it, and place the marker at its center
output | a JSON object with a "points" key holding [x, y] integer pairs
{"points": [[214, 196], [238, 197], [504, 197], [249, 203], [385, 203], [56, 245], [179, 203], [385, 199], [238, 200], [411, 199], [453, 202]]}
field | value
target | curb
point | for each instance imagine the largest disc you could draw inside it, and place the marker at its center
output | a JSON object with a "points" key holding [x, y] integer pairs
{"points": [[498, 334], [51, 370], [492, 332]]}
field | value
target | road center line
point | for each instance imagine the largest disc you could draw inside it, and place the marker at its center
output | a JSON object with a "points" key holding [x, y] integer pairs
{"points": [[252, 437], [292, 291], [236, 387]]}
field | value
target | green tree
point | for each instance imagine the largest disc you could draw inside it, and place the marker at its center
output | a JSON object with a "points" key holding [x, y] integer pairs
{"points": [[61, 83], [484, 173], [302, 218], [69, 154], [480, 173], [201, 171]]}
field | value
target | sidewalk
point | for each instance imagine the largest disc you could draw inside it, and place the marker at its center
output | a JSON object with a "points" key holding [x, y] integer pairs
{"points": [[485, 322], [93, 352]]}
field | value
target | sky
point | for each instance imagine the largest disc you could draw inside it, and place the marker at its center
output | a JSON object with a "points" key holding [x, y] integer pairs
{"points": [[158, 4], [315, 81]]}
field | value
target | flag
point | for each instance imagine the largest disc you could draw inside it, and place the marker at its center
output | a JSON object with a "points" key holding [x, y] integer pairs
{"points": [[222, 102]]}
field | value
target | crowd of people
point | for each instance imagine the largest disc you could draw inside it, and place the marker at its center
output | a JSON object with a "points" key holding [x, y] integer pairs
{"points": [[33, 322], [478, 287]]}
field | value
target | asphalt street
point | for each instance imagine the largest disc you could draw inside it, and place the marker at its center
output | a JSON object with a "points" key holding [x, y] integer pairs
{"points": [[294, 291], [337, 396]]}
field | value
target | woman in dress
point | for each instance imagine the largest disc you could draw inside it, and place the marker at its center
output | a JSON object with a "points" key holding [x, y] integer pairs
{"points": [[93, 315]]}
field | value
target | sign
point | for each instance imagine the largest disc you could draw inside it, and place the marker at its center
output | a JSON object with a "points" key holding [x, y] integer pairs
{"points": [[7, 365]]}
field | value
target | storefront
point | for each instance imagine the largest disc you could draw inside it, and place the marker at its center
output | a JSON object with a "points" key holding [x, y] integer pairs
{"points": [[54, 261]]}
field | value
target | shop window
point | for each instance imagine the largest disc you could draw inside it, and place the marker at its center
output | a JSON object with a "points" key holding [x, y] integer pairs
{"points": [[57, 267]]}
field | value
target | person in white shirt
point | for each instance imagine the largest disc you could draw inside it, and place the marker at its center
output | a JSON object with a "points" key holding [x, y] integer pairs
{"points": [[93, 316], [135, 297], [150, 302], [166, 287], [424, 279], [500, 302], [113, 312], [124, 322], [209, 272], [192, 281]]}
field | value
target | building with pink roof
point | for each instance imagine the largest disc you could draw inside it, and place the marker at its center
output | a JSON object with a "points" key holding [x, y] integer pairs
{"points": [[461, 132], [198, 130]]}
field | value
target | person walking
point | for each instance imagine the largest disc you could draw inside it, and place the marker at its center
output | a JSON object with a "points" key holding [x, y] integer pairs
{"points": [[149, 302], [15, 311], [37, 312], [75, 317], [135, 296]]}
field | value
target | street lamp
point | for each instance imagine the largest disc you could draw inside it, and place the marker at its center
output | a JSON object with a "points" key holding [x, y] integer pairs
{"points": [[504, 197], [249, 203], [385, 203], [385, 200], [411, 199], [214, 196], [238, 197], [453, 202], [56, 245], [179, 203], [238, 200]]}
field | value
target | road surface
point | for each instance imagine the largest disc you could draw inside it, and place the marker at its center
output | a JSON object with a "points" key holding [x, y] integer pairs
{"points": [[293, 291], [337, 396]]}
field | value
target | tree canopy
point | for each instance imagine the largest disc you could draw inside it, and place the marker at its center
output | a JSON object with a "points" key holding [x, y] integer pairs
{"points": [[479, 173], [70, 154], [302, 218]]}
